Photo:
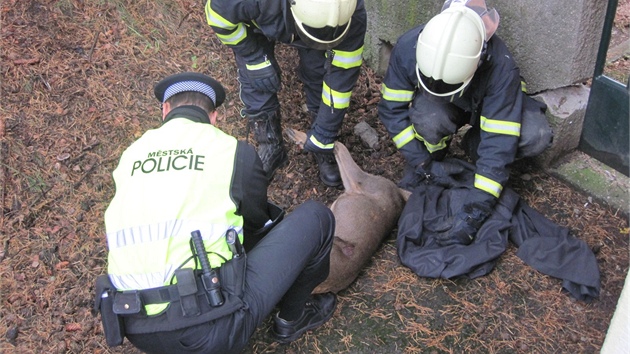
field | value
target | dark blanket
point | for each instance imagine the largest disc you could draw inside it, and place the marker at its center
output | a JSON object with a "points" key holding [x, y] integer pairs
{"points": [[542, 244]]}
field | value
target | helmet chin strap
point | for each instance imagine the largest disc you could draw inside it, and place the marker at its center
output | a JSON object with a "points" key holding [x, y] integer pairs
{"points": [[484, 54], [316, 43]]}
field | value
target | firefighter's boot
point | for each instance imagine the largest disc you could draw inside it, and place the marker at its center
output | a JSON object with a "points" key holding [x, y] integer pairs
{"points": [[328, 169]]}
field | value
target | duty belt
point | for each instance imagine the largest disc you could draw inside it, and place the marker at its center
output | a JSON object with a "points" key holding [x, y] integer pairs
{"points": [[188, 286]]}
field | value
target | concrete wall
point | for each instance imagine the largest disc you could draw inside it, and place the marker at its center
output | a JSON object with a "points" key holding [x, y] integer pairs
{"points": [[555, 43]]}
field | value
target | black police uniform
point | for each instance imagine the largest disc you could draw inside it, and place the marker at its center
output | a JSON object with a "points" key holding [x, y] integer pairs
{"points": [[281, 267]]}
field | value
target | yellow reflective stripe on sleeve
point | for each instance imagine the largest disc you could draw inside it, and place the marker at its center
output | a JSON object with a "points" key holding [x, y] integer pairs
{"points": [[488, 185], [523, 86], [500, 126], [401, 139], [396, 95], [340, 99], [320, 144], [431, 147], [262, 65], [347, 60]]}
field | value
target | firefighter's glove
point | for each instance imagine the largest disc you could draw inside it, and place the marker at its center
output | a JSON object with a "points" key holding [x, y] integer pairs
{"points": [[263, 76], [441, 173], [468, 220]]}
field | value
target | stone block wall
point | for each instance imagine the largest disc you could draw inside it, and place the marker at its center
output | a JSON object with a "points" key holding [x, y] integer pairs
{"points": [[555, 43]]}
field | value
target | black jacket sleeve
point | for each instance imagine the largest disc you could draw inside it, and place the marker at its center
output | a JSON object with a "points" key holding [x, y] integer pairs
{"points": [[249, 188], [399, 87]]}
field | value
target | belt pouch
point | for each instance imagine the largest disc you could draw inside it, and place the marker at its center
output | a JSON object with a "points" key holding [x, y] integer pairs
{"points": [[113, 325], [187, 289], [127, 303], [233, 275]]}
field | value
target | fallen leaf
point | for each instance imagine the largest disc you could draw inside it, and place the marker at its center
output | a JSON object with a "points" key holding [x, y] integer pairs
{"points": [[26, 61], [61, 265], [63, 156], [73, 327]]}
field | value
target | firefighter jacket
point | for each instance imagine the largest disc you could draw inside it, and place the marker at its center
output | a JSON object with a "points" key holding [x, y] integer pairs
{"points": [[493, 98], [238, 22], [541, 244], [186, 175]]}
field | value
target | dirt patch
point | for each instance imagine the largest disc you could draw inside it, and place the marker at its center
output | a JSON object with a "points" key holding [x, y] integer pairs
{"points": [[77, 81]]}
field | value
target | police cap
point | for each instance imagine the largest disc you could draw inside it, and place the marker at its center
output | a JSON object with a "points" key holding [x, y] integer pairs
{"points": [[190, 82]]}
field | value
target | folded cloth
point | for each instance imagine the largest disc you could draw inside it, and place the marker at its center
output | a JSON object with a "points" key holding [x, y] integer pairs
{"points": [[542, 244]]}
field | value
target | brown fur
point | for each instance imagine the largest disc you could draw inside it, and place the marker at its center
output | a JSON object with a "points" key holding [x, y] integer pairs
{"points": [[366, 213]]}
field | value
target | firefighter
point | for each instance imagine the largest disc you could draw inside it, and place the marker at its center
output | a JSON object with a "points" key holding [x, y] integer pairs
{"points": [[450, 73], [198, 257], [328, 35]]}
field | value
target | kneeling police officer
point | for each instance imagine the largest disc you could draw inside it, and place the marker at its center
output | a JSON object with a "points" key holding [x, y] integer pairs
{"points": [[198, 257]]}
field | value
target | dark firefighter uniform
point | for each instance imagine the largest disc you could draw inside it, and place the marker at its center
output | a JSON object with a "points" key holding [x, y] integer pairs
{"points": [[251, 28], [184, 176], [506, 123]]}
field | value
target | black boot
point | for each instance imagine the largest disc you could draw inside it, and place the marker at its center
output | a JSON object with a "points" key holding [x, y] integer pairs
{"points": [[328, 169], [317, 311], [268, 134]]}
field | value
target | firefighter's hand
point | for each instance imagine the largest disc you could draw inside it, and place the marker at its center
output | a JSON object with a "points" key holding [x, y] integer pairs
{"points": [[469, 219], [462, 232], [263, 76], [440, 173]]}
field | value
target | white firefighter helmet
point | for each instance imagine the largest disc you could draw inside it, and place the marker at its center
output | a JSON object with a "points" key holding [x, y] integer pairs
{"points": [[322, 24], [449, 50]]}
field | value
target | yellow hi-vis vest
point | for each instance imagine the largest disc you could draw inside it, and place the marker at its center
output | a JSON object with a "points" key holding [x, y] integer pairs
{"points": [[170, 182]]}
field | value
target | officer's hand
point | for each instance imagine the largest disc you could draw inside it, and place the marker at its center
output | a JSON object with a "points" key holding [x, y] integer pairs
{"points": [[263, 76]]}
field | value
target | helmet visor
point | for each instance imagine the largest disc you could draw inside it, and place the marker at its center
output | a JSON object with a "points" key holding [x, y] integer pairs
{"points": [[322, 38], [439, 87]]}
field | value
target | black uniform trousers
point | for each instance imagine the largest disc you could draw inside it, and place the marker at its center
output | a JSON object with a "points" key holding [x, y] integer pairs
{"points": [[311, 70], [286, 265]]}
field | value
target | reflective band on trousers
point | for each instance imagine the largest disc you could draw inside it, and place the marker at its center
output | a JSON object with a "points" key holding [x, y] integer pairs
{"points": [[321, 145], [347, 60], [434, 147], [404, 137], [341, 99]]}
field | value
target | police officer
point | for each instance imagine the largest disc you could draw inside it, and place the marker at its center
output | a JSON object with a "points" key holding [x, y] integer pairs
{"points": [[328, 35], [449, 73], [169, 294]]}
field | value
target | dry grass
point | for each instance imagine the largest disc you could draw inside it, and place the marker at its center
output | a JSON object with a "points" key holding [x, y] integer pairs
{"points": [[77, 80]]}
